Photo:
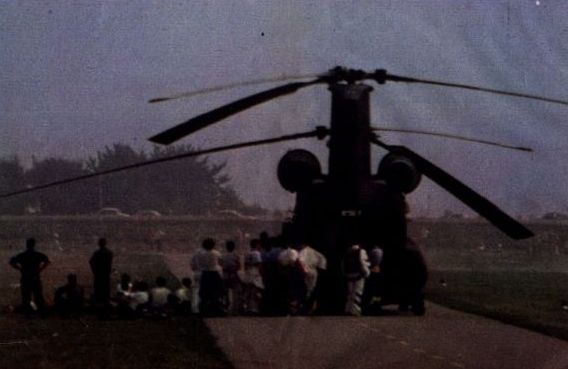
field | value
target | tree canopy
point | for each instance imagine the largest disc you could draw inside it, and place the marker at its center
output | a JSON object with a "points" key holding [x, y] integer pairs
{"points": [[188, 186]]}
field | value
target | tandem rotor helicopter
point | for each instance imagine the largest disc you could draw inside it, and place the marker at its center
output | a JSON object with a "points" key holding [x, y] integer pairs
{"points": [[351, 203]]}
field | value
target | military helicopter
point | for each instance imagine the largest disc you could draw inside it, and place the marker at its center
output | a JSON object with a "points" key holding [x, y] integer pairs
{"points": [[350, 204]]}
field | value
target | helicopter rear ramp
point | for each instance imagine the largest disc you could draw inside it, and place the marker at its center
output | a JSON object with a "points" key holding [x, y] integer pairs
{"points": [[443, 338]]}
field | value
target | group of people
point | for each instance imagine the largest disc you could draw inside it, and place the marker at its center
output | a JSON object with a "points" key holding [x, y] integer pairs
{"points": [[270, 278], [130, 299], [275, 279]]}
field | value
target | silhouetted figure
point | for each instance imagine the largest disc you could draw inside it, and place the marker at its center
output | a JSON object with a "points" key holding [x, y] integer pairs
{"points": [[70, 298], [30, 263], [274, 301], [101, 266], [183, 297]]}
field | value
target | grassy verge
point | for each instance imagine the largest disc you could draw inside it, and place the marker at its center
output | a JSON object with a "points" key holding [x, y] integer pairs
{"points": [[503, 287], [90, 343]]}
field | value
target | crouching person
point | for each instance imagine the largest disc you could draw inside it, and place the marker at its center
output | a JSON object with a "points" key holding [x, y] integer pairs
{"points": [[70, 298], [356, 270]]}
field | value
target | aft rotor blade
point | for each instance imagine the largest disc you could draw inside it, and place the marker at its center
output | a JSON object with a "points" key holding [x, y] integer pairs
{"points": [[381, 75], [230, 86], [320, 132], [454, 137], [465, 194], [201, 121]]}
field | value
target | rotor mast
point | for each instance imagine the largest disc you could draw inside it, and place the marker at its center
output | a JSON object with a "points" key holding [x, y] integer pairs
{"points": [[349, 145]]}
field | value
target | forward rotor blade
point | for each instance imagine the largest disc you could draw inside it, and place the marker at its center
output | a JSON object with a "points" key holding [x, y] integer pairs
{"points": [[381, 75], [230, 86], [201, 121], [465, 194], [320, 132], [454, 137]]}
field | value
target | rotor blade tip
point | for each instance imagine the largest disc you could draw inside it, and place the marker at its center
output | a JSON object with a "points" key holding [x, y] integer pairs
{"points": [[157, 100]]}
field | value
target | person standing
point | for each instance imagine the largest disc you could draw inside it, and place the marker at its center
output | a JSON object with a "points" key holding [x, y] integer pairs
{"points": [[252, 281], [207, 263], [31, 263], [356, 270], [313, 262], [231, 263], [101, 266]]}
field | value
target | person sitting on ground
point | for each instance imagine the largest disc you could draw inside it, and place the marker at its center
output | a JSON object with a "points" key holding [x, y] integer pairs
{"points": [[182, 297], [138, 300], [159, 296], [124, 287], [70, 298]]}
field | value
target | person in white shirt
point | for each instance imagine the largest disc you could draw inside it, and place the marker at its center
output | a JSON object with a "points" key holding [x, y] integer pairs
{"points": [[138, 300], [356, 270], [293, 273], [159, 296], [312, 263], [252, 280], [208, 265]]}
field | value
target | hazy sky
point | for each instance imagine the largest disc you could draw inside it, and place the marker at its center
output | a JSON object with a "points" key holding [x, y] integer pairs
{"points": [[76, 76]]}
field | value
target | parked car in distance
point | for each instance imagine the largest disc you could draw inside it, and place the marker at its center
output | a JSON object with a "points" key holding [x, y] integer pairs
{"points": [[111, 212], [147, 214], [233, 214], [555, 216]]}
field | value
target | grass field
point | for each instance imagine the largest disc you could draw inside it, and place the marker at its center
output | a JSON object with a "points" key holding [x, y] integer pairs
{"points": [[53, 342], [509, 286], [521, 284]]}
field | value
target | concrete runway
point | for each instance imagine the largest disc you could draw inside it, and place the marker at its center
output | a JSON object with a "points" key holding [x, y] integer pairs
{"points": [[443, 338]]}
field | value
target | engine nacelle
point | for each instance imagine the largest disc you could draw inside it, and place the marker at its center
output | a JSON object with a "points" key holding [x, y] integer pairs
{"points": [[298, 169], [399, 172]]}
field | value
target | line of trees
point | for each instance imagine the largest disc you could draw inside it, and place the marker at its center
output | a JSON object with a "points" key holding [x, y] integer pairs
{"points": [[188, 186]]}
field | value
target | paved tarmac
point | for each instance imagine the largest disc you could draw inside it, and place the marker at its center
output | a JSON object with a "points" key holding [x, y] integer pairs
{"points": [[443, 338]]}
